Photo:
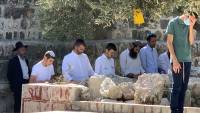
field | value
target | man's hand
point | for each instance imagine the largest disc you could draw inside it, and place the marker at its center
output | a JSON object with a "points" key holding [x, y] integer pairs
{"points": [[176, 67], [192, 22]]}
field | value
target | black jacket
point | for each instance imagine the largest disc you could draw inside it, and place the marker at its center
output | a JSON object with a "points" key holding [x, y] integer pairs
{"points": [[15, 75]]}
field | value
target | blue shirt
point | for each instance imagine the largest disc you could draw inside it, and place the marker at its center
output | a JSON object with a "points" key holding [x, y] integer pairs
{"points": [[149, 59]]}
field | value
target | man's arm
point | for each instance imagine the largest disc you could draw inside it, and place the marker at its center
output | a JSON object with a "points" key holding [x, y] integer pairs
{"points": [[65, 69], [32, 79], [143, 59], [191, 31], [176, 65], [122, 62], [90, 69], [97, 66]]}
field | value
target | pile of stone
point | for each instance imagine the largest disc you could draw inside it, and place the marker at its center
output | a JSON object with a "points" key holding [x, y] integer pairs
{"points": [[149, 88], [195, 72], [194, 87]]}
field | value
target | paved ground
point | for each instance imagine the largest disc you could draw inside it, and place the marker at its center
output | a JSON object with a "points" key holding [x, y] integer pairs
{"points": [[65, 112]]}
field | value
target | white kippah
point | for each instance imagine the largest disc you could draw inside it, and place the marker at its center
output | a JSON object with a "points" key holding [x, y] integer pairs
{"points": [[51, 53]]}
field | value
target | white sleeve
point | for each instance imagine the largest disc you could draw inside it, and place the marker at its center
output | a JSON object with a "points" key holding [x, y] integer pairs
{"points": [[65, 69], [34, 71], [123, 62], [114, 67], [97, 66], [52, 70], [143, 58], [141, 68], [90, 69]]}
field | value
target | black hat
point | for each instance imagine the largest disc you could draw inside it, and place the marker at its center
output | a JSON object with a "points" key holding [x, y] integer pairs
{"points": [[19, 45]]}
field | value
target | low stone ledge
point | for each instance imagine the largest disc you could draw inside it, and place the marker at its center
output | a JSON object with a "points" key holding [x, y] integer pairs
{"points": [[111, 107]]}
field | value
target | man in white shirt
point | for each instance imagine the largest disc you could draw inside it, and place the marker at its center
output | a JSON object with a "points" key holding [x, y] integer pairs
{"points": [[76, 66], [130, 61], [104, 65], [164, 63], [43, 70]]}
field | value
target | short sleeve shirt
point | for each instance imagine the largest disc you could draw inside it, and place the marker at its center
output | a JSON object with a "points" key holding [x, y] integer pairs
{"points": [[41, 72], [180, 32]]}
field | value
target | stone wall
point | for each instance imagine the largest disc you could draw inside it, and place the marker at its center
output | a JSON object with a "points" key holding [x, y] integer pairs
{"points": [[129, 31], [19, 20]]}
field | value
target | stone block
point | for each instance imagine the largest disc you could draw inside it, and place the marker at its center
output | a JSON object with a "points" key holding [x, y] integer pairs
{"points": [[8, 35], [127, 108], [165, 109], [1, 36], [139, 109], [13, 12], [163, 23], [30, 106], [118, 108], [108, 107], [22, 35], [49, 97], [191, 110], [148, 109], [157, 109], [3, 70], [3, 1], [15, 36]]}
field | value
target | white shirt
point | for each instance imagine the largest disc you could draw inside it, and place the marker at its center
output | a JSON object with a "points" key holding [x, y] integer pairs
{"points": [[76, 67], [24, 68], [41, 72], [104, 66], [130, 65], [164, 62]]}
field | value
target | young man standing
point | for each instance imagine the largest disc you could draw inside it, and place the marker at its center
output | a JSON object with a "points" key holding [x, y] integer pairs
{"points": [[104, 65], [43, 70], [180, 37], [76, 67], [149, 55]]}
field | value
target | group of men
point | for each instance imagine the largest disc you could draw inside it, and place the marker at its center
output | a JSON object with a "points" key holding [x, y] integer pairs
{"points": [[76, 66], [134, 61]]}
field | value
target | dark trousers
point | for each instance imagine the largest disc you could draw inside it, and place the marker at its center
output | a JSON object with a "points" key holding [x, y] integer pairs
{"points": [[180, 84], [17, 96], [17, 101]]}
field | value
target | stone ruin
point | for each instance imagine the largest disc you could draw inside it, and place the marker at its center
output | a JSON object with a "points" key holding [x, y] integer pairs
{"points": [[152, 89]]}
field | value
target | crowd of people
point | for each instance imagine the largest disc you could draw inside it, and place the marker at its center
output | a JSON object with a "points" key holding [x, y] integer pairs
{"points": [[76, 66], [134, 61]]}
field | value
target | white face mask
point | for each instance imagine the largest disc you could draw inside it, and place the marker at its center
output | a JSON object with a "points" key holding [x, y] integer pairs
{"points": [[187, 21]]}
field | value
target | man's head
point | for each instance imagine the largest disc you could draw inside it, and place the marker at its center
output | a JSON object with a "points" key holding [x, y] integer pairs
{"points": [[152, 39], [189, 16], [135, 49], [49, 58], [21, 49], [79, 46], [110, 50]]}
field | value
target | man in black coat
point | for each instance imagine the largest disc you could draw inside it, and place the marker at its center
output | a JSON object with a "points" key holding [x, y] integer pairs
{"points": [[18, 73]]}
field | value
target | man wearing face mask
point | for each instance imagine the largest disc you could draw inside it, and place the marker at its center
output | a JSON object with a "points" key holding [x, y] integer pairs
{"points": [[130, 61], [104, 65], [149, 55], [180, 37]]}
